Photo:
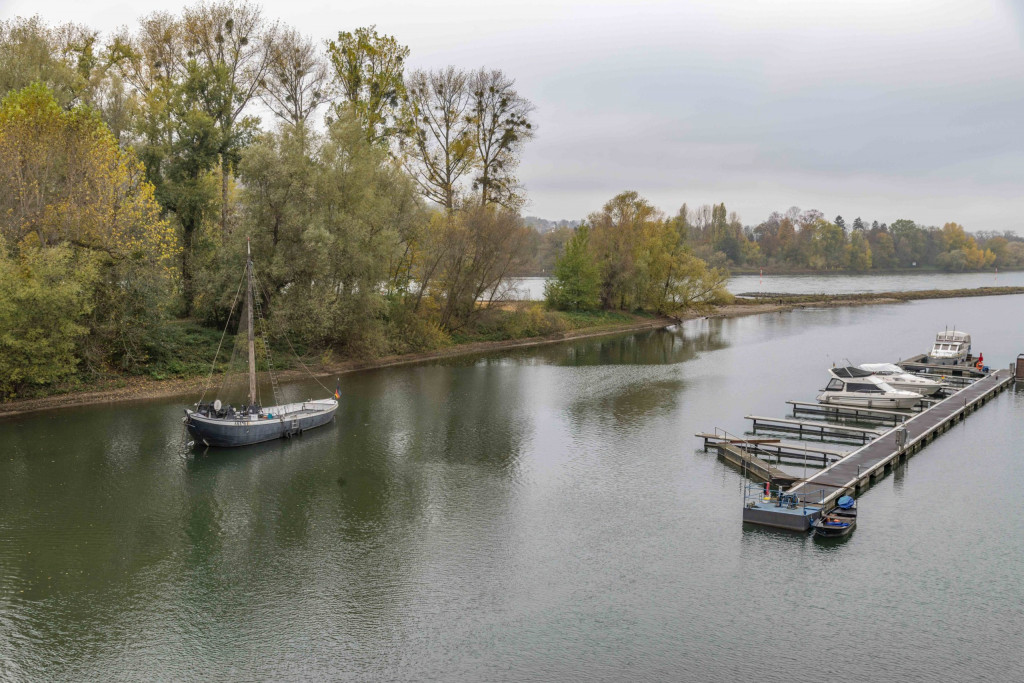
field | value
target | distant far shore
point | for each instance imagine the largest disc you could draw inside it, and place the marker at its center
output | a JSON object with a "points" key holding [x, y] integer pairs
{"points": [[141, 388], [782, 270], [923, 270]]}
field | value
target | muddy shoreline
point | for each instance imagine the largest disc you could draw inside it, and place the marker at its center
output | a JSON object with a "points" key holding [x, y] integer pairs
{"points": [[139, 388]]}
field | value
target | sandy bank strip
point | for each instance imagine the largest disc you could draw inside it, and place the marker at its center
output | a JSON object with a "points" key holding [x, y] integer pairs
{"points": [[139, 388]]}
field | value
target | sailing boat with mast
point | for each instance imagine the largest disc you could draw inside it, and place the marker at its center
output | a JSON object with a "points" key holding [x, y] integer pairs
{"points": [[215, 424]]}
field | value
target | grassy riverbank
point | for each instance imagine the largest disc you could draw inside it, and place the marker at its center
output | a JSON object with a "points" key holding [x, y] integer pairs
{"points": [[182, 363]]}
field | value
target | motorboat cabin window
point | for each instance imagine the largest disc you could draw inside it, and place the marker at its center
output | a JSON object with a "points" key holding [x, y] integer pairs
{"points": [[834, 385], [867, 388], [850, 372]]}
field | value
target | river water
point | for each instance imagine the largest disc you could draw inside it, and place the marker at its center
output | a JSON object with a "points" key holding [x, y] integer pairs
{"points": [[532, 288], [542, 514]]}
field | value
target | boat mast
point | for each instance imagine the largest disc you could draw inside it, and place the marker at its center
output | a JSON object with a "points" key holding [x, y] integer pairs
{"points": [[252, 336]]}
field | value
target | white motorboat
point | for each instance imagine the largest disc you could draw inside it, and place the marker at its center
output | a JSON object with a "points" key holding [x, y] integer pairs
{"points": [[862, 389], [952, 347], [898, 378]]}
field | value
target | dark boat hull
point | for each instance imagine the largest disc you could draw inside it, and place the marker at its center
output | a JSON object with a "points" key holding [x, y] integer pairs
{"points": [[228, 433], [833, 531]]}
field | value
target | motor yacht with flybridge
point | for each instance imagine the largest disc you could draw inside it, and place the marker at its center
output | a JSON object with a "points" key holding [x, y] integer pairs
{"points": [[217, 424], [862, 389], [898, 378], [952, 347]]}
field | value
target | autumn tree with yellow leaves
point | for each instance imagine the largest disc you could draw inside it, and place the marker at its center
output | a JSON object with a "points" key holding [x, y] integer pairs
{"points": [[78, 223]]}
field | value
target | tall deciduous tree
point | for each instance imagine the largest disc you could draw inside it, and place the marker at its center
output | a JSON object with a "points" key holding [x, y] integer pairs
{"points": [[71, 61], [439, 145], [68, 184], [295, 84], [43, 316], [621, 232], [180, 146], [481, 246], [500, 119], [369, 73], [330, 215], [232, 40], [577, 278], [30, 51], [859, 252]]}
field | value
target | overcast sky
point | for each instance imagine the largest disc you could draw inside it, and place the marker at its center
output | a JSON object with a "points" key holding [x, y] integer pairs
{"points": [[883, 109]]}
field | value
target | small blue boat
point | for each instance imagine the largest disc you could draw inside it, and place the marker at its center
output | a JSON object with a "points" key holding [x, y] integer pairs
{"points": [[840, 521]]}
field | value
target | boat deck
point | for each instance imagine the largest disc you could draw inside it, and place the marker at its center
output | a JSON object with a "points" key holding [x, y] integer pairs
{"points": [[290, 411]]}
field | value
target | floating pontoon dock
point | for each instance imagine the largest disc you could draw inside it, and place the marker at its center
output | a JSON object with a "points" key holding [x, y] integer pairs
{"points": [[752, 465], [846, 473], [874, 460], [920, 364]]}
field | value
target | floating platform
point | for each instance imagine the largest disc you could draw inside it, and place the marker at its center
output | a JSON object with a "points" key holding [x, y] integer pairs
{"points": [[783, 510], [753, 466], [818, 454], [951, 382]]}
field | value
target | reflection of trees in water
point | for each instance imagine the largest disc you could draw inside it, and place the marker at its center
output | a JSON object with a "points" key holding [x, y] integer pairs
{"points": [[627, 404], [394, 453], [654, 347], [465, 415], [96, 496], [416, 450]]}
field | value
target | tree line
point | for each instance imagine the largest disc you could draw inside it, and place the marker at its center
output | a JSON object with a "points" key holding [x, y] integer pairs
{"points": [[381, 203], [806, 240]]}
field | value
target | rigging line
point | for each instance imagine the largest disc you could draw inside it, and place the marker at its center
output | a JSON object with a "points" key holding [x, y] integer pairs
{"points": [[265, 337], [265, 343], [227, 324], [231, 364], [259, 284]]}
